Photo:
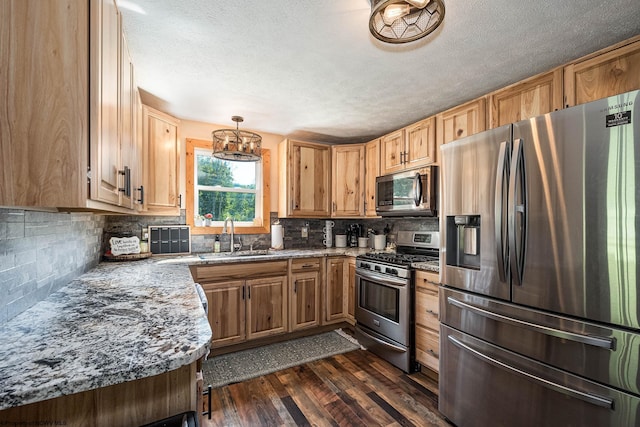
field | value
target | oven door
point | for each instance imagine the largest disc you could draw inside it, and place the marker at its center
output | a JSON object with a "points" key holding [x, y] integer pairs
{"points": [[382, 305]]}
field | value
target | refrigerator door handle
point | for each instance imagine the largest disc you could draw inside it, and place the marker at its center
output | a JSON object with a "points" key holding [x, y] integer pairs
{"points": [[516, 245], [501, 171], [595, 341], [593, 399]]}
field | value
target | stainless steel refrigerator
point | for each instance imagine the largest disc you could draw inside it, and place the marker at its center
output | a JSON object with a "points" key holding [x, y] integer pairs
{"points": [[540, 302]]}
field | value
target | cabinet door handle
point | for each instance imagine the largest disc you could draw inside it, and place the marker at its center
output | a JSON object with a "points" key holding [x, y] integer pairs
{"points": [[243, 292], [307, 265], [141, 190], [248, 292], [180, 200], [295, 286]]}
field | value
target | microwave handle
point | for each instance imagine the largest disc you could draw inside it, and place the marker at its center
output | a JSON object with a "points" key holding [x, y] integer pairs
{"points": [[417, 189]]}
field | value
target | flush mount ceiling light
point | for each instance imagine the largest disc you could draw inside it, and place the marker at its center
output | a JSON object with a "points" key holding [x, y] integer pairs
{"points": [[237, 145], [403, 21]]}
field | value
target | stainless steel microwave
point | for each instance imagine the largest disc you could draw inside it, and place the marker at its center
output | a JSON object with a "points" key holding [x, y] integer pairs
{"points": [[410, 193]]}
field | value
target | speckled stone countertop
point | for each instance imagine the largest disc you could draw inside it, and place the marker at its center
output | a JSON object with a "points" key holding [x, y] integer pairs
{"points": [[432, 266], [119, 322]]}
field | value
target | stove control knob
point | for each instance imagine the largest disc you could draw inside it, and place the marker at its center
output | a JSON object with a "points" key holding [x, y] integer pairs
{"points": [[366, 265], [377, 268], [392, 271]]}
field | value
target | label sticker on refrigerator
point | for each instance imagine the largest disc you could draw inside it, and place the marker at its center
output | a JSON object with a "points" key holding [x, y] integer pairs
{"points": [[618, 119]]}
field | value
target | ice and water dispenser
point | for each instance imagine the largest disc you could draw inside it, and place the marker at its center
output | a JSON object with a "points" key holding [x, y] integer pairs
{"points": [[463, 241]]}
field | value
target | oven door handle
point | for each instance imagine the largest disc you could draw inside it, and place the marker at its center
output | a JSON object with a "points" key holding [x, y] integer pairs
{"points": [[379, 341], [382, 279]]}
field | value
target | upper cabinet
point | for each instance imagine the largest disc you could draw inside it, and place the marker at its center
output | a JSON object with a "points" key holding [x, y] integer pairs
{"points": [[371, 172], [304, 180], [392, 148], [461, 121], [605, 73], [61, 116], [162, 163], [409, 148], [421, 143], [529, 98], [347, 191]]}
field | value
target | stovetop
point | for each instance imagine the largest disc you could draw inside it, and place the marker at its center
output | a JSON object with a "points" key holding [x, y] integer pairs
{"points": [[400, 259]]}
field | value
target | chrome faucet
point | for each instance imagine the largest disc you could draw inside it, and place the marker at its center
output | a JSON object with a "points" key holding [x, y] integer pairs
{"points": [[224, 230]]}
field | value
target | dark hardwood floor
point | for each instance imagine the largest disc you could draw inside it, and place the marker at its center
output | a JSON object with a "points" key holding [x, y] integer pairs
{"points": [[351, 389]]}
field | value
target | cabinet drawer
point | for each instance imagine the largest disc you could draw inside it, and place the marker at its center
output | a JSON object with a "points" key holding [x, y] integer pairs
{"points": [[427, 348], [427, 279], [427, 306], [240, 271], [305, 264]]}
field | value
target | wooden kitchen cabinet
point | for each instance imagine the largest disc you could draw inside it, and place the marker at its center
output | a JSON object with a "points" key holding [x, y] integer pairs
{"points": [[226, 311], [461, 121], [246, 300], [532, 97], [304, 180], [61, 116], [304, 297], [392, 148], [409, 148], [371, 172], [605, 73], [427, 322], [351, 292], [162, 163], [266, 309], [421, 143], [337, 282], [347, 183]]}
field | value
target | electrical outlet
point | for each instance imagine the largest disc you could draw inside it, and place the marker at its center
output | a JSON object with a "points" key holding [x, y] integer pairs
{"points": [[305, 233]]}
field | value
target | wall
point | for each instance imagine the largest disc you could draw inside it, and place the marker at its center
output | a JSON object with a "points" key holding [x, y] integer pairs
{"points": [[40, 252]]}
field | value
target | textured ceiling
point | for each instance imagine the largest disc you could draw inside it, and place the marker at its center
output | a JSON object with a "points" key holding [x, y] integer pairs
{"points": [[310, 68]]}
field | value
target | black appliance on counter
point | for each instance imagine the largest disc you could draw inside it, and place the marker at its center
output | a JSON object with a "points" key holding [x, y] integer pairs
{"points": [[385, 297]]}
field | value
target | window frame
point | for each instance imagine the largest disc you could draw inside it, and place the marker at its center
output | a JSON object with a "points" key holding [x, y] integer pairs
{"points": [[260, 226]]}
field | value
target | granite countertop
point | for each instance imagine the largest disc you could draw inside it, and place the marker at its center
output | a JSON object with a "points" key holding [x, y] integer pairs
{"points": [[119, 322], [432, 266]]}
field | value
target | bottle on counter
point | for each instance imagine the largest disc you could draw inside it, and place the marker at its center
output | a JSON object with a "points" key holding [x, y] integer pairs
{"points": [[216, 244]]}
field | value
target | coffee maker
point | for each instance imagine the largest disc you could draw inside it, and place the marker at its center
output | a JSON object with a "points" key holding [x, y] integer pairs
{"points": [[353, 232]]}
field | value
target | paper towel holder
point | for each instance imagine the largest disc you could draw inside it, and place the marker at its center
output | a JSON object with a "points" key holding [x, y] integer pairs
{"points": [[277, 236]]}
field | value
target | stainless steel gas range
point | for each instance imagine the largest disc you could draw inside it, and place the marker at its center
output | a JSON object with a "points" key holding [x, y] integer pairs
{"points": [[385, 297]]}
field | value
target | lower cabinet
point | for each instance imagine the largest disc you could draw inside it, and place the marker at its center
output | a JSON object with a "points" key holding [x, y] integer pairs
{"points": [[427, 323], [351, 293], [335, 303], [254, 300], [304, 295], [246, 300]]}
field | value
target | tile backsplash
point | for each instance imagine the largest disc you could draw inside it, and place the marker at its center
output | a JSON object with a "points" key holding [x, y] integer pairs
{"points": [[40, 252]]}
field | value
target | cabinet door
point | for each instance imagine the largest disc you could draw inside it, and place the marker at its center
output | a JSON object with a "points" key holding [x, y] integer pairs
{"points": [[305, 298], [127, 142], [266, 306], [392, 152], [533, 97], [461, 121], [347, 181], [226, 312], [607, 73], [336, 293], [371, 172], [105, 177], [309, 179], [421, 143], [44, 76], [162, 163], [351, 292]]}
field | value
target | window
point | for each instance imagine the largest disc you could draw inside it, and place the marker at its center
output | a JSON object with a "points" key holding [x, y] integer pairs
{"points": [[226, 189]]}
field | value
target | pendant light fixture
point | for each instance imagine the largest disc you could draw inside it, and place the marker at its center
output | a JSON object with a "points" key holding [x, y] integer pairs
{"points": [[237, 145], [403, 21]]}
